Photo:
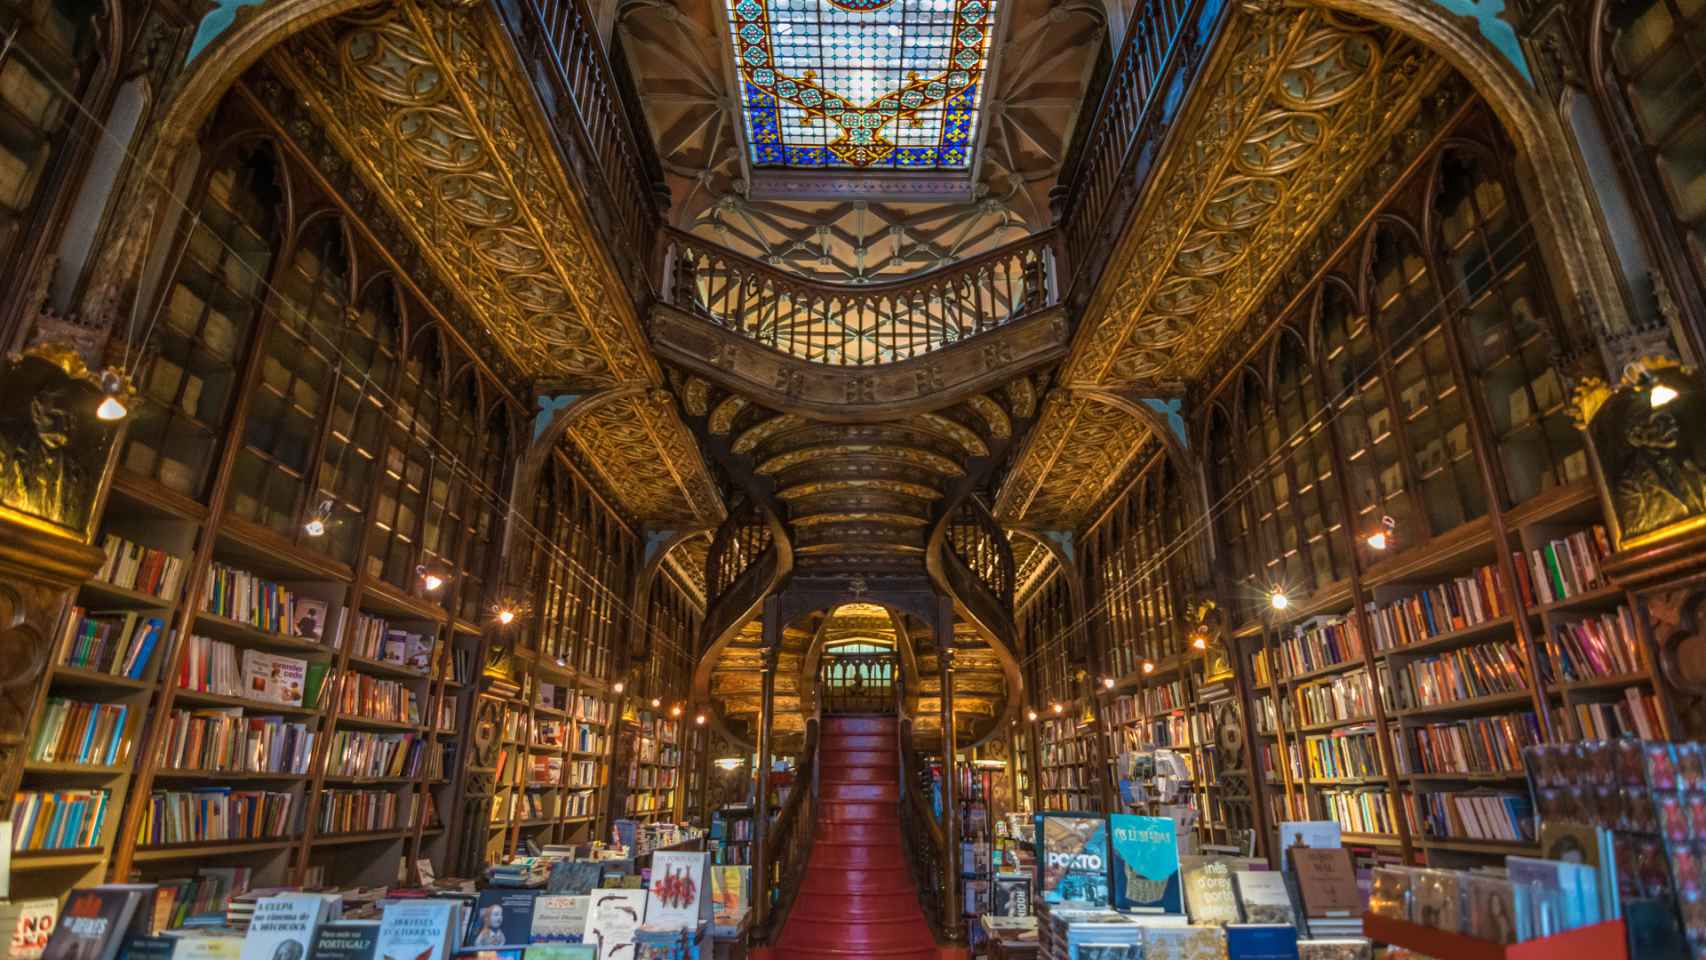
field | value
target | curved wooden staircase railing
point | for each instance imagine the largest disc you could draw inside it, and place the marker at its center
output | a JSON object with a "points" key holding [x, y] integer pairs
{"points": [[921, 831], [749, 558], [971, 561], [788, 845]]}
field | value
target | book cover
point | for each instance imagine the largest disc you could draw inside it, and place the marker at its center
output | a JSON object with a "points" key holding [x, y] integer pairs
{"points": [[1336, 948], [1107, 951], [577, 877], [1321, 834], [1438, 899], [1325, 881], [560, 918], [502, 917], [677, 898], [283, 925], [1209, 897], [1261, 941], [1551, 894], [1073, 867], [612, 919], [209, 946], [274, 678], [345, 940], [1493, 913], [729, 892], [136, 947], [1184, 943], [562, 951], [32, 925], [1262, 896], [419, 930], [1146, 864], [310, 618], [1011, 895], [93, 924]]}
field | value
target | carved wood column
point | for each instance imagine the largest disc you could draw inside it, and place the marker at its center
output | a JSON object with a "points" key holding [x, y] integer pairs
{"points": [[761, 803]]}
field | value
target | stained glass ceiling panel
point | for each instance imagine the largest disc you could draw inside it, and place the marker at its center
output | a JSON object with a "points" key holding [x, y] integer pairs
{"points": [[879, 84]]}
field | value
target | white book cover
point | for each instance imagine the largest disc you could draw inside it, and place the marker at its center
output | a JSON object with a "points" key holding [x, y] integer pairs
{"points": [[1321, 834], [1263, 897], [275, 679], [284, 920], [679, 896], [610, 923], [417, 930], [560, 918]]}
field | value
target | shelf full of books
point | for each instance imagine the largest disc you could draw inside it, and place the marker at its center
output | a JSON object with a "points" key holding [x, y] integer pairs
{"points": [[651, 764], [1406, 724], [1069, 770]]}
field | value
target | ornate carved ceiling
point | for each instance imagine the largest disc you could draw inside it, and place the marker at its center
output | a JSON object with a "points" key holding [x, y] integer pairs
{"points": [[1303, 104], [423, 101], [1038, 78]]}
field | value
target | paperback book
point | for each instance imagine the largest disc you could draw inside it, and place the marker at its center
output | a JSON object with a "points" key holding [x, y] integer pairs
{"points": [[284, 925], [612, 920], [502, 917], [419, 930], [1145, 865], [560, 918], [345, 940]]}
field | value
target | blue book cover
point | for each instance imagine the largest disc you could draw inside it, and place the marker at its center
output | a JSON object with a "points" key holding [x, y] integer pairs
{"points": [[1072, 861], [1261, 941], [1146, 864]]}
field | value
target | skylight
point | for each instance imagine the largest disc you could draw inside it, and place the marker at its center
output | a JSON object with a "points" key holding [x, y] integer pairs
{"points": [[876, 84]]}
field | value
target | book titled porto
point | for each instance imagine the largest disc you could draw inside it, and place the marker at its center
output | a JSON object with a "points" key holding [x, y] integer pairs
{"points": [[1145, 864], [95, 922], [502, 917], [283, 925], [418, 930], [1073, 866], [345, 940]]}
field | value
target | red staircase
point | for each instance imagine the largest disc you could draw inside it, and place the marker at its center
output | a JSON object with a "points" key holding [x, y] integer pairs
{"points": [[857, 898]]}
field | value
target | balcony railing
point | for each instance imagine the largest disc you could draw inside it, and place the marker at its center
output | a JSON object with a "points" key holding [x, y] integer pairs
{"points": [[1168, 42], [866, 324]]}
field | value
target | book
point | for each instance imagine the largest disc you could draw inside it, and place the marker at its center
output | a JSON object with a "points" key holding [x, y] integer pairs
{"points": [[502, 917], [1494, 913], [611, 920], [562, 951], [1183, 943], [1321, 834], [345, 940], [1336, 948], [1262, 897], [729, 893], [1261, 941], [283, 925], [274, 678], [209, 946], [678, 898], [1011, 895], [1209, 897], [31, 924], [1145, 865], [310, 617], [418, 930], [560, 918], [94, 923], [1326, 882], [1438, 899], [136, 947], [1073, 865]]}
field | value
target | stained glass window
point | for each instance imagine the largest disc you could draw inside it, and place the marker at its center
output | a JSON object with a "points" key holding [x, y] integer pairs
{"points": [[861, 83]]}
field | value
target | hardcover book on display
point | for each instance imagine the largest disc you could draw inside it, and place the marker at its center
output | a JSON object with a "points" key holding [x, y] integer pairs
{"points": [[560, 918], [1012, 895], [1073, 863], [284, 925], [612, 920], [136, 947], [95, 922], [1209, 896], [1261, 941], [345, 940], [679, 896], [419, 930], [502, 917], [1319, 834], [1146, 865], [1263, 897], [1184, 943], [31, 924]]}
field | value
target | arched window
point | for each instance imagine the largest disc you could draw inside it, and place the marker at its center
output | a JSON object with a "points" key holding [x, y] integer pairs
{"points": [[1487, 255], [449, 492], [282, 430], [200, 332], [368, 347], [407, 467], [483, 520], [1655, 54], [1429, 408], [1300, 406], [50, 55], [1231, 502]]}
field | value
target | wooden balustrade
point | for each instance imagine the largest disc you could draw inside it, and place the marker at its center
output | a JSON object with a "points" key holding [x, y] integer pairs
{"points": [[864, 324], [977, 541]]}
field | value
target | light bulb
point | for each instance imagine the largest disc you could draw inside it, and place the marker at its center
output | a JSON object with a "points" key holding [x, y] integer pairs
{"points": [[1279, 600], [1149, 666], [112, 408], [1059, 708], [1199, 642], [1030, 714], [1377, 540], [506, 616], [619, 686], [316, 525], [700, 719], [1108, 682], [656, 703], [433, 582], [675, 711], [1660, 396]]}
